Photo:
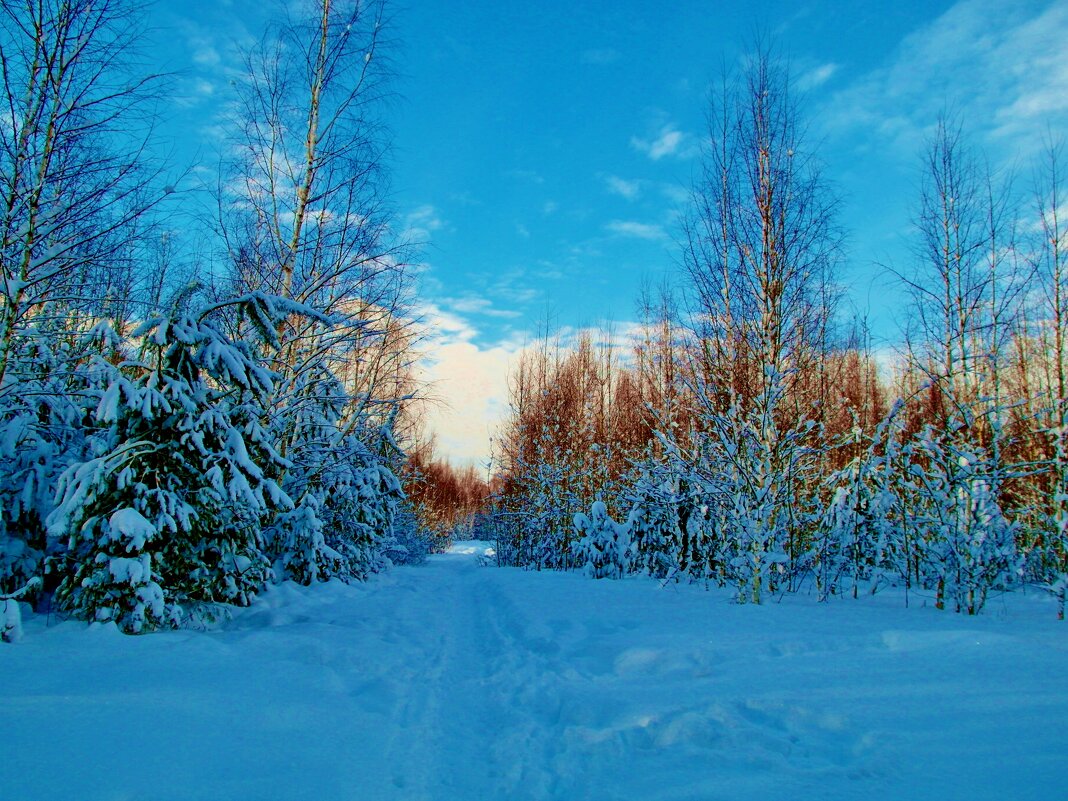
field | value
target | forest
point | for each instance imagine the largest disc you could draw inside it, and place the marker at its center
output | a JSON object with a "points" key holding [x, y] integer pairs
{"points": [[750, 437], [194, 409]]}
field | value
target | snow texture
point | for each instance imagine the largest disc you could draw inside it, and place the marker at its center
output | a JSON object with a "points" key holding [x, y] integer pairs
{"points": [[451, 681]]}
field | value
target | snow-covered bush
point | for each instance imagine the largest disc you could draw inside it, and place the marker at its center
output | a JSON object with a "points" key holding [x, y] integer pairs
{"points": [[756, 474], [1049, 559], [967, 546], [10, 620], [11, 612], [604, 546], [41, 431], [411, 541], [856, 534]]}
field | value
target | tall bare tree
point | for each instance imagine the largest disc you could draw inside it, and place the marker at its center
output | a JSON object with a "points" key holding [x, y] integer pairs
{"points": [[761, 243], [967, 283], [305, 211]]}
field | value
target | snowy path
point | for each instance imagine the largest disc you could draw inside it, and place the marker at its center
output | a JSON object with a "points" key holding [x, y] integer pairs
{"points": [[454, 682]]}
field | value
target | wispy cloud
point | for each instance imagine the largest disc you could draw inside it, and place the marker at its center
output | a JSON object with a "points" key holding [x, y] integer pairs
{"points": [[422, 221], [530, 176], [1009, 76], [600, 56], [193, 91], [817, 76], [203, 51], [445, 326], [473, 304], [675, 193], [622, 187], [668, 142], [636, 230]]}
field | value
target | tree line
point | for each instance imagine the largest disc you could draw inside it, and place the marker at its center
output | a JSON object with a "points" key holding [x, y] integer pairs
{"points": [[749, 437]]}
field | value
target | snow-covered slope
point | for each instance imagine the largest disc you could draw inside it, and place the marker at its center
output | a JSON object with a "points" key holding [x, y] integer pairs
{"points": [[452, 681]]}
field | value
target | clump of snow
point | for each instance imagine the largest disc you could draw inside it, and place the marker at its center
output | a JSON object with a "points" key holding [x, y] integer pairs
{"points": [[129, 527], [10, 620]]}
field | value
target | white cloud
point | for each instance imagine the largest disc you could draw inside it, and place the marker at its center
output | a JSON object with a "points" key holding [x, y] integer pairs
{"points": [[622, 187], [817, 76], [526, 175], [422, 221], [468, 380], [636, 230], [675, 193], [1004, 65], [194, 91], [445, 325], [472, 304], [203, 52], [471, 384], [668, 142]]}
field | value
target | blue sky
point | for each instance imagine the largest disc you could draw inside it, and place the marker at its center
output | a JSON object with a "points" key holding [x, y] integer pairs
{"points": [[543, 150]]}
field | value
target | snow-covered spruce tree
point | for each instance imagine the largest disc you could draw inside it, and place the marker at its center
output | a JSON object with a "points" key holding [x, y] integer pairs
{"points": [[1055, 550], [76, 201], [670, 516], [412, 538], [40, 432], [338, 471], [163, 521], [1048, 557], [604, 546], [656, 510]]}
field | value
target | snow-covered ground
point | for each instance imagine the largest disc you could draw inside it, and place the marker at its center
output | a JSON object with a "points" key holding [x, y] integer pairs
{"points": [[452, 681]]}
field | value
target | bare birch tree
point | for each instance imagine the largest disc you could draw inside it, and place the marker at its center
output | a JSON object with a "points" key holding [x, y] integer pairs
{"points": [[305, 212], [73, 130], [761, 243]]}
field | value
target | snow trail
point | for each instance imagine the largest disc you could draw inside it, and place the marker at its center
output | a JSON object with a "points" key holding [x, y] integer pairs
{"points": [[451, 681]]}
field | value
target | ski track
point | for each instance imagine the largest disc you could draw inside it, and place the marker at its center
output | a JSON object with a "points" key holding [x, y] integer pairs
{"points": [[451, 681]]}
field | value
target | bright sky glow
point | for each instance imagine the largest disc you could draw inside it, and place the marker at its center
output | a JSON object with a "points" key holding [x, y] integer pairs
{"points": [[544, 150]]}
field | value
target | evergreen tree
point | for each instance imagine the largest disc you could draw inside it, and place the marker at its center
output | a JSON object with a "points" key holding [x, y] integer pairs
{"points": [[164, 518], [604, 545]]}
